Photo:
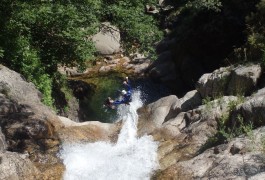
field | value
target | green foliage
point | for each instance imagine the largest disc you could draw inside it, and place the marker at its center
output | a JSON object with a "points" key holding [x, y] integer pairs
{"points": [[37, 36], [256, 35], [208, 102], [226, 133], [137, 28], [205, 4], [1, 53], [237, 129]]}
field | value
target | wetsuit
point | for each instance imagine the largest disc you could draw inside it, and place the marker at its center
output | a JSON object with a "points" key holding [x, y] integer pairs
{"points": [[127, 98]]}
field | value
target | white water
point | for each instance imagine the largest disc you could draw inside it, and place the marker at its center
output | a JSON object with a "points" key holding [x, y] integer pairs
{"points": [[131, 158]]}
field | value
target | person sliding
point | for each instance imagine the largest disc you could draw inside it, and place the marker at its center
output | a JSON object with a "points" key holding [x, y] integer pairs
{"points": [[126, 96]]}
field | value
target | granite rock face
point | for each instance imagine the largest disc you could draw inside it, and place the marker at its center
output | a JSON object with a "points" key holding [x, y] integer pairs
{"points": [[107, 41]]}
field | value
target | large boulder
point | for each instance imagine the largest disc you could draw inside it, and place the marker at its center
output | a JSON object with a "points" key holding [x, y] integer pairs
{"points": [[215, 83], [244, 79], [107, 41], [166, 109], [163, 68], [90, 131], [202, 122], [190, 100], [240, 80], [182, 137], [190, 70], [25, 94], [15, 166], [252, 110], [29, 126], [24, 119], [242, 158], [153, 115]]}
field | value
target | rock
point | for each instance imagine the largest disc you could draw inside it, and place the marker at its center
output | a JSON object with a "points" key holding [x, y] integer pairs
{"points": [[14, 86], [163, 68], [114, 61], [81, 91], [258, 176], [154, 114], [140, 68], [29, 127], [190, 71], [229, 81], [236, 147], [165, 45], [138, 58], [90, 131], [165, 5], [244, 79], [190, 100], [3, 144], [104, 69], [252, 110], [73, 71], [7, 106], [183, 137], [125, 60], [214, 84], [151, 9], [107, 41], [173, 127], [15, 166], [166, 109], [224, 165], [109, 58]]}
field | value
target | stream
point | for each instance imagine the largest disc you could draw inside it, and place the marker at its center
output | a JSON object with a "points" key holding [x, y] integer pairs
{"points": [[132, 157]]}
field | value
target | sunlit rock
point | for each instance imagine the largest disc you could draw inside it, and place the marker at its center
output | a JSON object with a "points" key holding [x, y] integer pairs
{"points": [[252, 110], [214, 84], [90, 131], [244, 79], [16, 166], [181, 138], [154, 114], [220, 163], [240, 80], [107, 41], [29, 126]]}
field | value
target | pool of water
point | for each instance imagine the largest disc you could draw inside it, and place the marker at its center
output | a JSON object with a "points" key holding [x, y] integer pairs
{"points": [[110, 86]]}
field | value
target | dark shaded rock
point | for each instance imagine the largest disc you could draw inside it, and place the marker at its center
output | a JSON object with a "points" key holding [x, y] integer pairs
{"points": [[190, 71], [3, 144]]}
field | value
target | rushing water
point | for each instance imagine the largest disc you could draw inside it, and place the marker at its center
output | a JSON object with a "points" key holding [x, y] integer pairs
{"points": [[131, 158]]}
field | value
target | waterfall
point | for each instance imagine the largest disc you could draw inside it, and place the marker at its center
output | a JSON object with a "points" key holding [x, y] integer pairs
{"points": [[131, 158]]}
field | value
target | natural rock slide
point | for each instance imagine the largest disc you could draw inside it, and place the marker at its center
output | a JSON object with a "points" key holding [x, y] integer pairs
{"points": [[181, 129]]}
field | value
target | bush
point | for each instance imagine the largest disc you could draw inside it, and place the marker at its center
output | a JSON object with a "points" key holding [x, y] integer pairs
{"points": [[138, 29], [256, 35]]}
